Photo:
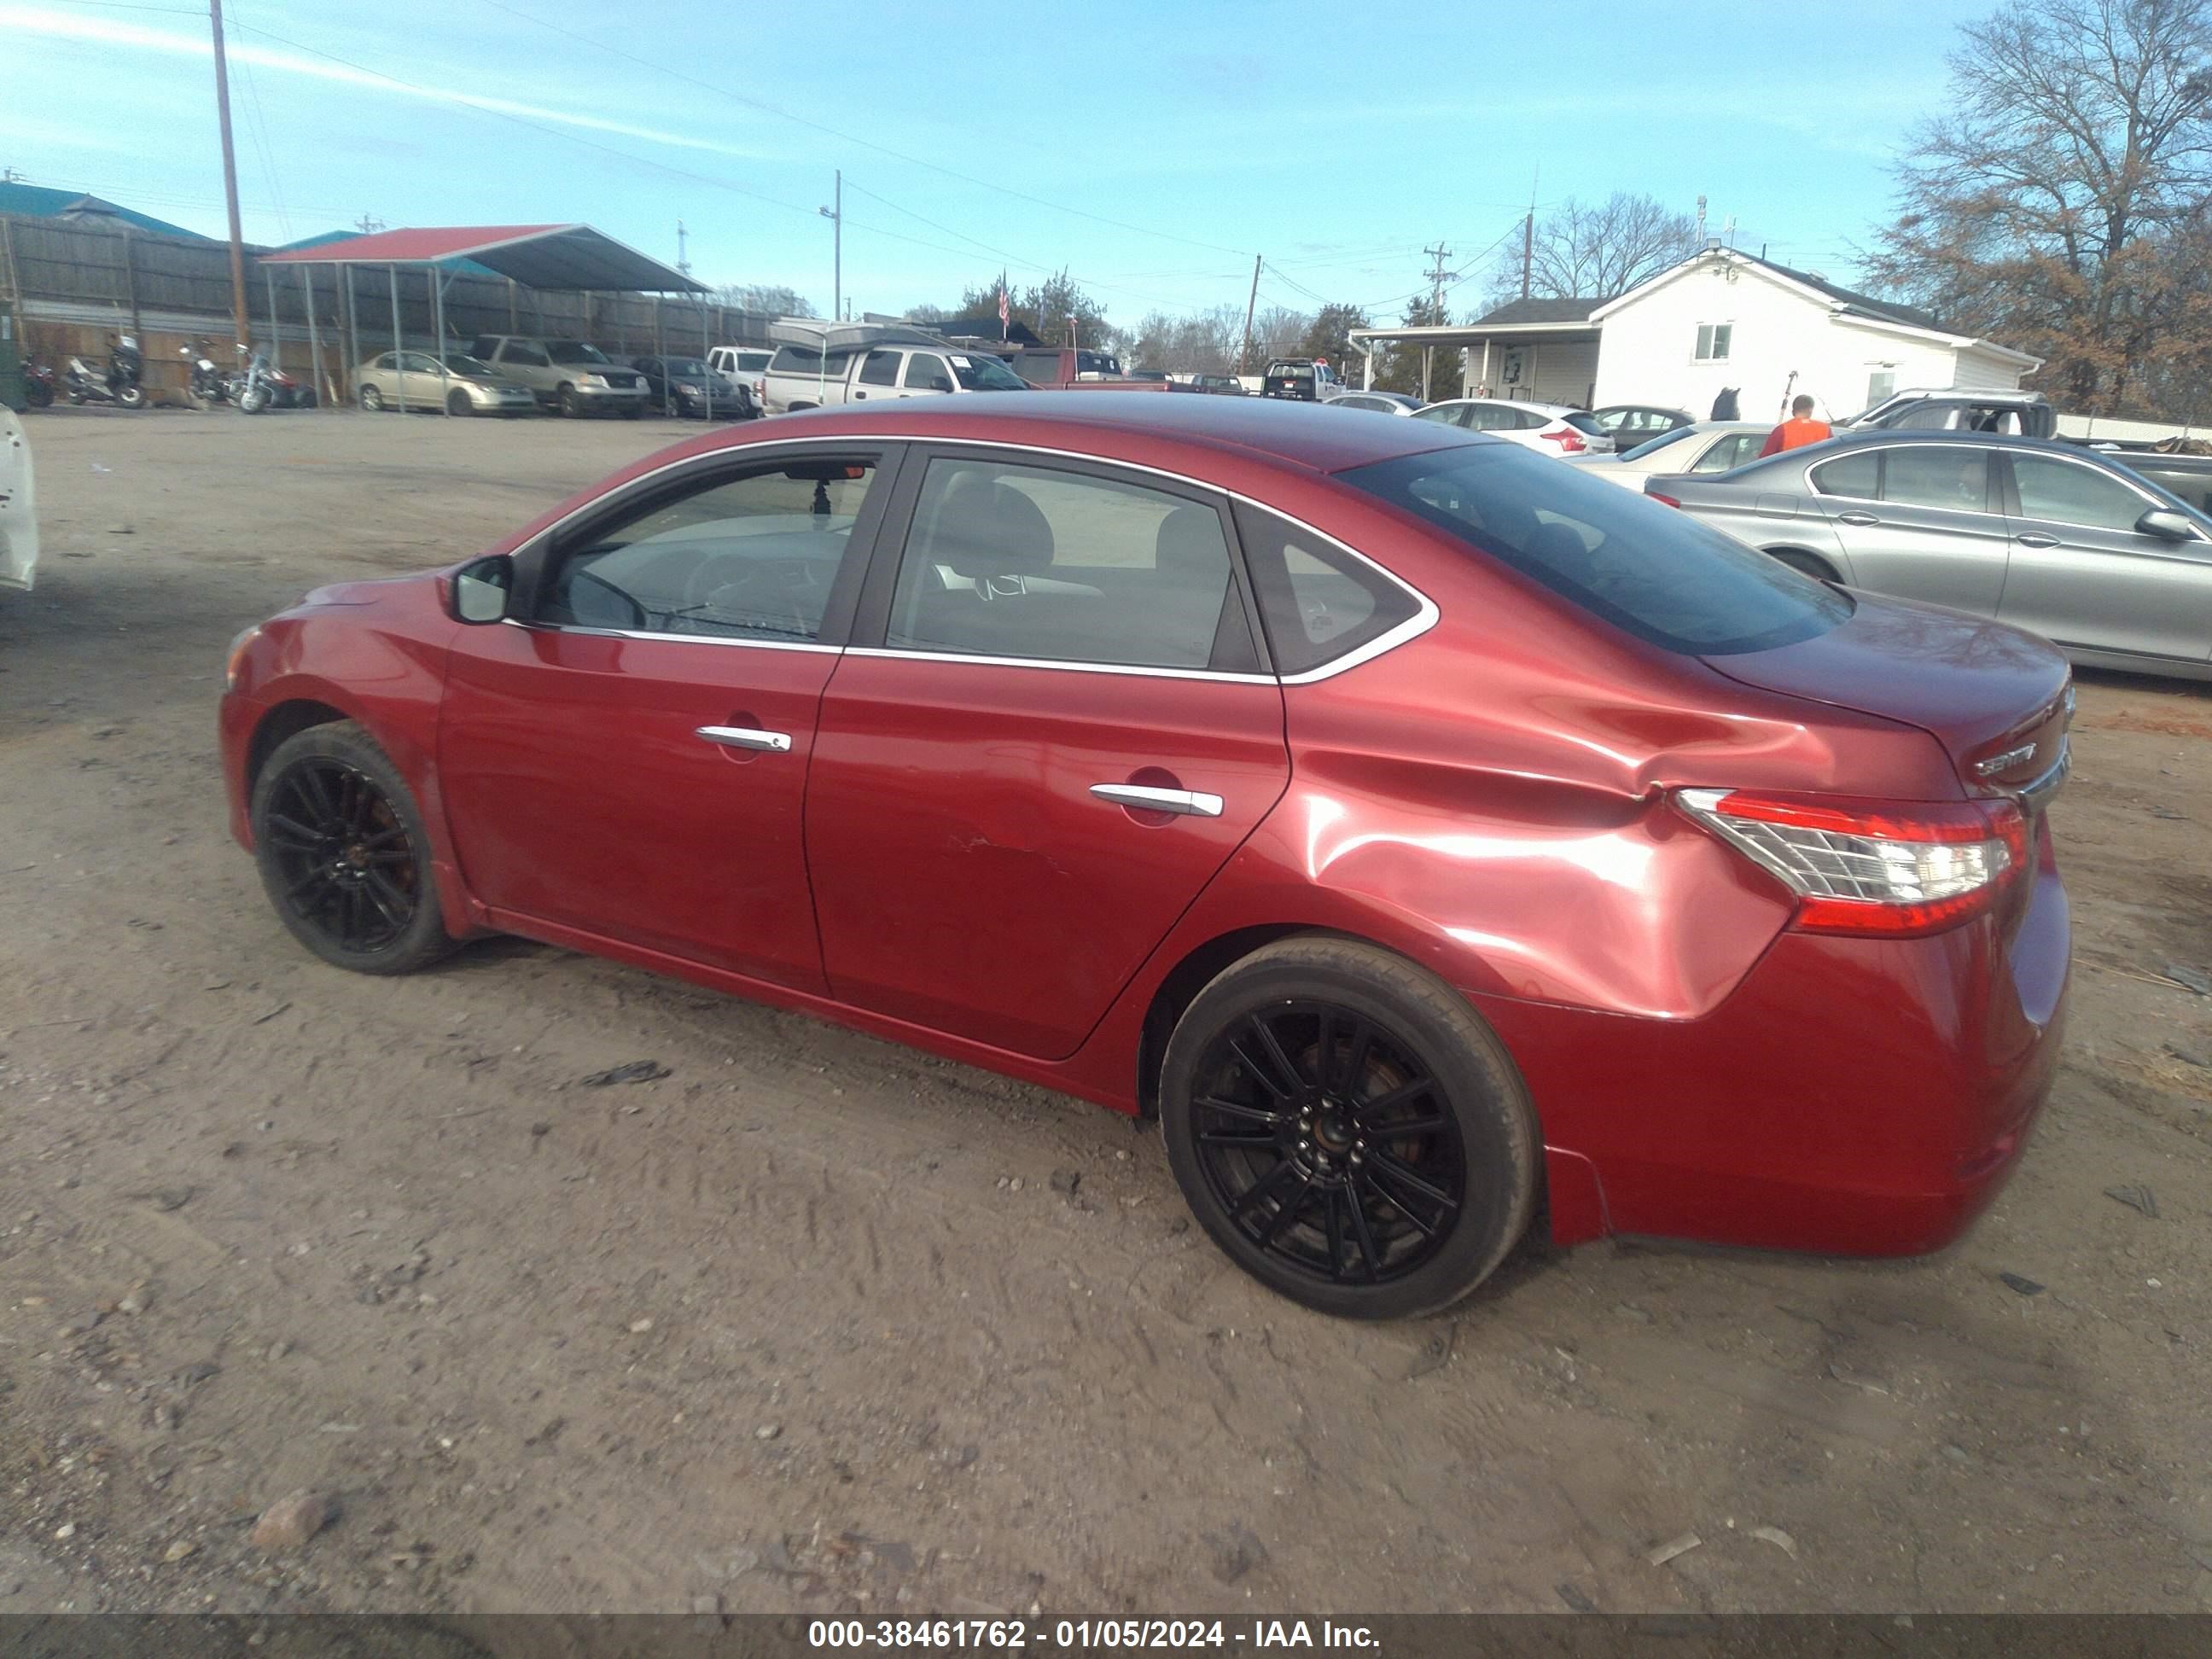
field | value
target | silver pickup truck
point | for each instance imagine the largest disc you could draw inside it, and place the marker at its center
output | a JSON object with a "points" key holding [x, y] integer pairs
{"points": [[573, 376], [849, 363]]}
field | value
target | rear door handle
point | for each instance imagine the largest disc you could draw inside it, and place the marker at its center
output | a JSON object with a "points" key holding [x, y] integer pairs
{"points": [[744, 736], [1856, 518], [2036, 538], [1189, 802]]}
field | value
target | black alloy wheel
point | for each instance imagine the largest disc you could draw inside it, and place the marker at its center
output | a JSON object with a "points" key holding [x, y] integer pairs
{"points": [[342, 853], [1348, 1129]]}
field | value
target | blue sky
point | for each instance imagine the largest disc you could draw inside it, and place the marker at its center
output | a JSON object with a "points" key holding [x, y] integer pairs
{"points": [[1160, 146]]}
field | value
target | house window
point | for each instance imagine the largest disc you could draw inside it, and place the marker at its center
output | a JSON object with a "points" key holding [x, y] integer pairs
{"points": [[1713, 342], [1881, 385]]}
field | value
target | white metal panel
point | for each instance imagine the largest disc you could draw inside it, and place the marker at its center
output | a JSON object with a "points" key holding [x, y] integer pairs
{"points": [[19, 516], [1984, 372]]}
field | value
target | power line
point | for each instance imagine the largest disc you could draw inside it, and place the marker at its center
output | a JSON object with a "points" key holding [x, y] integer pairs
{"points": [[850, 138]]}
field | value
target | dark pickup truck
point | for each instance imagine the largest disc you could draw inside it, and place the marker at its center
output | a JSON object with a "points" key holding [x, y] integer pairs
{"points": [[1060, 368]]}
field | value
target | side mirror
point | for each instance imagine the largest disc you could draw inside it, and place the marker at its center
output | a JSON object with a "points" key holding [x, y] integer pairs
{"points": [[2166, 524], [482, 590]]}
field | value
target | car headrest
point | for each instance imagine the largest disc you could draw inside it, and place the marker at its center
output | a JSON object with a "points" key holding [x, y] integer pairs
{"points": [[1189, 548], [1559, 547], [985, 529]]}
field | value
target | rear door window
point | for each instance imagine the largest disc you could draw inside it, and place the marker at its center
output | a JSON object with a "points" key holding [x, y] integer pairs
{"points": [[1949, 476], [881, 369], [1660, 576], [1013, 560], [1857, 477]]}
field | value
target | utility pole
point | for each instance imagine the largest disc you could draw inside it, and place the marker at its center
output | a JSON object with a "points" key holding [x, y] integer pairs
{"points": [[837, 217], [230, 182], [1245, 357], [1528, 250], [1438, 255]]}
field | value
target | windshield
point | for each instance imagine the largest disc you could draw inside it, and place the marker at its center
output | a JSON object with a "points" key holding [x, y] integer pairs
{"points": [[986, 374], [1647, 569], [1653, 446], [687, 369], [575, 351]]}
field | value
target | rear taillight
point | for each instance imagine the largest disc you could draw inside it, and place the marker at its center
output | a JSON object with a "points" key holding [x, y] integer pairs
{"points": [[1569, 441], [1664, 501], [1860, 866]]}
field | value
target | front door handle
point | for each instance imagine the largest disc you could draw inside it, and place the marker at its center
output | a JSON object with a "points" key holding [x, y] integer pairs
{"points": [[860, 396], [1861, 518], [1188, 803], [744, 736], [2036, 538]]}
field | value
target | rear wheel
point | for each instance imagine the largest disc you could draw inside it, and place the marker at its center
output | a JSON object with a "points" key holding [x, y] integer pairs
{"points": [[305, 400], [343, 854], [1348, 1130], [1809, 564], [370, 400], [130, 396]]}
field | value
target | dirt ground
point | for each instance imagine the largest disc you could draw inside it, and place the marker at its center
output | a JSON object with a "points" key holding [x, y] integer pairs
{"points": [[814, 1322]]}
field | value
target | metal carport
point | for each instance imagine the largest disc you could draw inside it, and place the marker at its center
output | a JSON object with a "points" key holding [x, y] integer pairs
{"points": [[556, 258]]}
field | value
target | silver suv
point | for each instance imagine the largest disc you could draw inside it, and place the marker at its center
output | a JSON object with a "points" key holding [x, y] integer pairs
{"points": [[573, 376]]}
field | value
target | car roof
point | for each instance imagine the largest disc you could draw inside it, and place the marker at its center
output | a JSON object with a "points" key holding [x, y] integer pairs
{"points": [[1311, 436], [1862, 437]]}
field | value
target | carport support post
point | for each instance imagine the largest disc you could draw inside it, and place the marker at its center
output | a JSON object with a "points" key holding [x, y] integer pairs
{"points": [[399, 373], [705, 350], [351, 324], [438, 322], [1428, 357], [275, 352], [314, 340], [1483, 385]]}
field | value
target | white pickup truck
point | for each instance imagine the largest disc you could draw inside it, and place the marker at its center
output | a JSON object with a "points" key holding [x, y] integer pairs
{"points": [[841, 363]]}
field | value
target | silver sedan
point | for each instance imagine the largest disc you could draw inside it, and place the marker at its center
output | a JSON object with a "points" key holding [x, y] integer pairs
{"points": [[2048, 536], [460, 385]]}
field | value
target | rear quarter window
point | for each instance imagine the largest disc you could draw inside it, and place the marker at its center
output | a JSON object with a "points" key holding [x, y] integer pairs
{"points": [[1317, 602], [1648, 570]]}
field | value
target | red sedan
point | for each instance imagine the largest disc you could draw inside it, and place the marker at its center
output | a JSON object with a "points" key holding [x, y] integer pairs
{"points": [[1434, 838]]}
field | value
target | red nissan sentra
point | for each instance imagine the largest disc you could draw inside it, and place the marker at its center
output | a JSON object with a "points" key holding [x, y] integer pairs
{"points": [[1433, 836]]}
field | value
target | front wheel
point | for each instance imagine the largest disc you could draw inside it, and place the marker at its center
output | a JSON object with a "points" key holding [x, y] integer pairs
{"points": [[457, 403], [1348, 1129], [253, 400], [631, 411], [343, 854], [571, 404]]}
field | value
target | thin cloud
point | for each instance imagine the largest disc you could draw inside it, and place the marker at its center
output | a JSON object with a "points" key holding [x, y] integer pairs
{"points": [[23, 20]]}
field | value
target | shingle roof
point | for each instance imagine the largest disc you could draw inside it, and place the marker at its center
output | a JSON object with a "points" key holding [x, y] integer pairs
{"points": [[44, 201], [1864, 305], [1543, 311]]}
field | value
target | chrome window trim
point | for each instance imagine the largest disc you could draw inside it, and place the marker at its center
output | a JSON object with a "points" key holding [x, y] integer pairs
{"points": [[1877, 450], [678, 639], [1425, 615]]}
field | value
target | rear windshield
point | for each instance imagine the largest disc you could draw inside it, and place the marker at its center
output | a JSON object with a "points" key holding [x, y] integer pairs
{"points": [[809, 360], [1652, 445], [1648, 569], [1582, 423], [1289, 371]]}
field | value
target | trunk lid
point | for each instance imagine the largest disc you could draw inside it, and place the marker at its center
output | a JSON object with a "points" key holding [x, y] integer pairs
{"points": [[1997, 699]]}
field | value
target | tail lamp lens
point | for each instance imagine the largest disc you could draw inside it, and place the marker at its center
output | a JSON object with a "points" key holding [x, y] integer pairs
{"points": [[1664, 501], [1569, 441], [1890, 868]]}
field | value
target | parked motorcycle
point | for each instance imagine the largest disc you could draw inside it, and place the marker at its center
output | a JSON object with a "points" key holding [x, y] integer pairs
{"points": [[208, 385], [37, 384], [255, 390], [119, 385]]}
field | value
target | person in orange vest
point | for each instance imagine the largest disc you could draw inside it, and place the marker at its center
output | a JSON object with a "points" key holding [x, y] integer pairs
{"points": [[1800, 429]]}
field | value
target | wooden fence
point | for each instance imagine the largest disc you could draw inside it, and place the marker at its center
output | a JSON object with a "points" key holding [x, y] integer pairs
{"points": [[75, 284]]}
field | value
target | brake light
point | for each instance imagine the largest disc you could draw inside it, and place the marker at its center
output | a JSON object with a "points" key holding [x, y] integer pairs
{"points": [[1896, 869], [1569, 441], [1664, 501]]}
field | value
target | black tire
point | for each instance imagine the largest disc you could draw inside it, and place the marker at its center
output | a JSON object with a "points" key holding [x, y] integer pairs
{"points": [[571, 404], [457, 403], [38, 394], [1304, 1180], [130, 396], [631, 411], [343, 854], [306, 400], [370, 400], [1807, 564]]}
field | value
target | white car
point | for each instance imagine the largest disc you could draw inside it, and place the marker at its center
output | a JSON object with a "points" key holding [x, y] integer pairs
{"points": [[1550, 429], [1704, 447], [19, 515]]}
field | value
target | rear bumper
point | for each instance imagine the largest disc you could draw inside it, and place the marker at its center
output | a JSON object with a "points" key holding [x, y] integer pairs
{"points": [[1853, 1097]]}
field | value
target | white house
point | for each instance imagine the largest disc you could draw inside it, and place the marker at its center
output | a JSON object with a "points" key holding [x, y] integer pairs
{"points": [[1724, 318], [1718, 319]]}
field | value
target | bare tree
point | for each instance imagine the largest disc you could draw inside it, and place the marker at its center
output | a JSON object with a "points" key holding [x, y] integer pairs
{"points": [[2061, 205], [1597, 253], [776, 301]]}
